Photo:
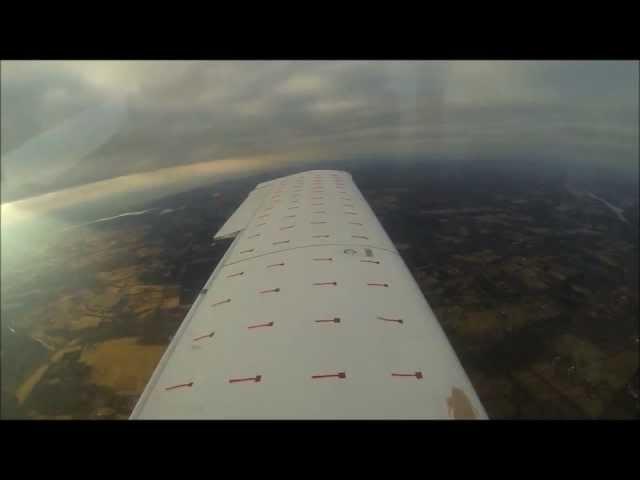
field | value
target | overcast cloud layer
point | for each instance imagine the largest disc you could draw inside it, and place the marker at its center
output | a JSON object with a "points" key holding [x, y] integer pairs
{"points": [[72, 123]]}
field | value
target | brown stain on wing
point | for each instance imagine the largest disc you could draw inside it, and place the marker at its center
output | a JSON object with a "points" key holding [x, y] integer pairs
{"points": [[460, 405]]}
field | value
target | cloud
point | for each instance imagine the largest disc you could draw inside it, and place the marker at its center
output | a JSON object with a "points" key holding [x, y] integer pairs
{"points": [[181, 113], [303, 84], [335, 106]]}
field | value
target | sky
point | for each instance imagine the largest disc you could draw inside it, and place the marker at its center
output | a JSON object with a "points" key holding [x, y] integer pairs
{"points": [[91, 128]]}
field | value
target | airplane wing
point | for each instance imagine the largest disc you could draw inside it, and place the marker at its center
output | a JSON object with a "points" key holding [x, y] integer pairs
{"points": [[310, 314]]}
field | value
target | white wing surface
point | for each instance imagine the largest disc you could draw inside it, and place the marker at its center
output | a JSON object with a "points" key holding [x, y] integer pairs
{"points": [[311, 314]]}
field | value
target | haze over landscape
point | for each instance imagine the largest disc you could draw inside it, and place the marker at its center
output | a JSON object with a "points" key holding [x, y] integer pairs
{"points": [[123, 118]]}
